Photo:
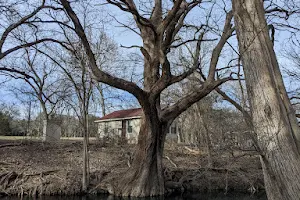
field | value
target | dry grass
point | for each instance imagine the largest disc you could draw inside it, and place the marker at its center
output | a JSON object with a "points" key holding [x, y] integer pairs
{"points": [[32, 167]]}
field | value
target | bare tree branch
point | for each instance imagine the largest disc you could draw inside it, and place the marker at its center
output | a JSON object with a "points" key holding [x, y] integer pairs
{"points": [[100, 75], [227, 32]]}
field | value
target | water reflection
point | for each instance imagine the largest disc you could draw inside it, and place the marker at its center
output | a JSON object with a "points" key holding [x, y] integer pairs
{"points": [[177, 197]]}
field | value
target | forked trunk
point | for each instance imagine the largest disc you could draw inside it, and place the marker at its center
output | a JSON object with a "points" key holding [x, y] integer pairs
{"points": [[145, 176], [271, 111]]}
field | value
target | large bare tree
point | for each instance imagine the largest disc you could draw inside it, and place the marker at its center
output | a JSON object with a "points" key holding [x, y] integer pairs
{"points": [[159, 30]]}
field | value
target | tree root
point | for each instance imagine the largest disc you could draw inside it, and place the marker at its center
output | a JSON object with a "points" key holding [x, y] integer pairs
{"points": [[6, 178], [192, 151], [99, 179], [45, 182], [169, 159]]}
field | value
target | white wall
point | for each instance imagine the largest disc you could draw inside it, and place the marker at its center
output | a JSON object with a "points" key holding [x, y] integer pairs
{"points": [[133, 136], [51, 131], [115, 129]]}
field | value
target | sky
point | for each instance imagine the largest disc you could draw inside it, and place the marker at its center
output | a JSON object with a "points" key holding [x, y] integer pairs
{"points": [[125, 37]]}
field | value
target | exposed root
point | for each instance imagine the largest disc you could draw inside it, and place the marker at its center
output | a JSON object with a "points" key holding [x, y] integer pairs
{"points": [[6, 178], [192, 151], [42, 183], [60, 170], [98, 177]]}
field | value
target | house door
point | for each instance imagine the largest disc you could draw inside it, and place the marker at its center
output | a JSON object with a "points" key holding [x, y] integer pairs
{"points": [[123, 133]]}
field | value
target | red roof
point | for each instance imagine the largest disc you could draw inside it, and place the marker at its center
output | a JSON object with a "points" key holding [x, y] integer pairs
{"points": [[119, 114]]}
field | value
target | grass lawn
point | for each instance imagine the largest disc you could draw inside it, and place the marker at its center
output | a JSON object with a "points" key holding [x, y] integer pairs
{"points": [[39, 138]]}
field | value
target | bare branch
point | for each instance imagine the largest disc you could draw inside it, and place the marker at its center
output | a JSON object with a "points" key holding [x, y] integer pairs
{"points": [[192, 40], [227, 32], [184, 103], [29, 44], [17, 24], [99, 74]]}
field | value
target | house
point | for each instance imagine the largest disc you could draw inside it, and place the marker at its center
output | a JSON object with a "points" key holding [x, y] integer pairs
{"points": [[125, 124]]}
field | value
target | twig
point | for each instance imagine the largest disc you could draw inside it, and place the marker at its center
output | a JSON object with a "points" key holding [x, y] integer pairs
{"points": [[5, 163], [42, 173], [192, 151], [170, 161]]}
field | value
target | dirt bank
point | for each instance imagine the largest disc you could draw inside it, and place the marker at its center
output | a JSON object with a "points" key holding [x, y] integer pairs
{"points": [[31, 168]]}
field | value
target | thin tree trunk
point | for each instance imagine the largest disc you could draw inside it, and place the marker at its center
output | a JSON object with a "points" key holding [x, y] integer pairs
{"points": [[102, 100], [45, 124], [123, 132], [270, 108], [85, 176], [208, 144], [28, 119], [86, 171], [206, 136]]}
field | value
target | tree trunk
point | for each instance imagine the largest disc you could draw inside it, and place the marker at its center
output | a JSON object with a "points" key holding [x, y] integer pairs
{"points": [[86, 166], [28, 119], [86, 171], [145, 176], [270, 109], [207, 139], [123, 132], [99, 86], [46, 133]]}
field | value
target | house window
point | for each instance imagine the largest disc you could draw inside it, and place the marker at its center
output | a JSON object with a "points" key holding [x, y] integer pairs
{"points": [[129, 126]]}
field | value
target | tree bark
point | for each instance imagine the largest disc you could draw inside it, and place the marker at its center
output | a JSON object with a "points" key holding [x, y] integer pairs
{"points": [[145, 176], [271, 111], [85, 156], [208, 145], [28, 119], [86, 168], [99, 86]]}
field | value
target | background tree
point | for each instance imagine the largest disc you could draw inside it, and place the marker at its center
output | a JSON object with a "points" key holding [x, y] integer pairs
{"points": [[9, 122], [42, 83], [293, 73], [5, 123], [16, 26], [73, 63]]}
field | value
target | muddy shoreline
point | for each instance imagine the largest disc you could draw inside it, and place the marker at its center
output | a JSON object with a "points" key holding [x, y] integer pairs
{"points": [[36, 168]]}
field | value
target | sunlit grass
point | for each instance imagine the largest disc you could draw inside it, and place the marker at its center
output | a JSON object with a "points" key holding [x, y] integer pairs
{"points": [[17, 137], [39, 138]]}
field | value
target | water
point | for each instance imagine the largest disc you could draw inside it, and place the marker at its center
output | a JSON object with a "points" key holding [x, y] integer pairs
{"points": [[177, 197]]}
